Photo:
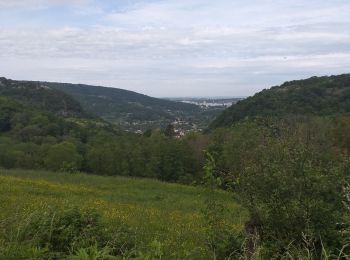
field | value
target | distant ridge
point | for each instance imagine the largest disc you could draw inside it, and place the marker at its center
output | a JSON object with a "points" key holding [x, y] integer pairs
{"points": [[328, 95], [115, 104], [130, 111], [41, 96]]}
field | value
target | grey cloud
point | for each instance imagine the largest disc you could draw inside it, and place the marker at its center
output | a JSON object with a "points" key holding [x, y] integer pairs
{"points": [[187, 48], [34, 4]]}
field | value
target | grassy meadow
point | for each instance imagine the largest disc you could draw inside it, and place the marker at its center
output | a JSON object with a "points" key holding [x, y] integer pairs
{"points": [[162, 217]]}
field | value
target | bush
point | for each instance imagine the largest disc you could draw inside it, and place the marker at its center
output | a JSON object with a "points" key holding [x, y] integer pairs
{"points": [[289, 177], [63, 155], [55, 233], [64, 230]]}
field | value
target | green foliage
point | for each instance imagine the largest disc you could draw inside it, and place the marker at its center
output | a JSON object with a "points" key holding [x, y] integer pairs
{"points": [[313, 96], [94, 253], [63, 231], [289, 175], [40, 96], [127, 217], [287, 171], [56, 233], [8, 108], [210, 180], [220, 239], [63, 157], [155, 156], [341, 134], [169, 131], [131, 111], [126, 107], [154, 251], [36, 139]]}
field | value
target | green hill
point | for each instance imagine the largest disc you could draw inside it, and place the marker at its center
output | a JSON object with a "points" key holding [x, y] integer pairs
{"points": [[129, 110], [144, 215], [37, 131], [33, 138], [41, 97], [32, 118], [314, 96], [123, 106]]}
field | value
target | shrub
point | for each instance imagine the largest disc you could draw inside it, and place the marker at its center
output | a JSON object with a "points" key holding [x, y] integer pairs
{"points": [[290, 180], [62, 155], [64, 230], [58, 233]]}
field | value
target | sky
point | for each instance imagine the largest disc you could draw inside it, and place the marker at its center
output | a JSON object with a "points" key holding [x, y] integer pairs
{"points": [[174, 48]]}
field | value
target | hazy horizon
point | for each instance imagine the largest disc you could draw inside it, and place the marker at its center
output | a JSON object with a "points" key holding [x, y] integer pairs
{"points": [[174, 48]]}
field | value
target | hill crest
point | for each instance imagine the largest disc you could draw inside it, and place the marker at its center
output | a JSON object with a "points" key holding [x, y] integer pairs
{"points": [[327, 95], [42, 97]]}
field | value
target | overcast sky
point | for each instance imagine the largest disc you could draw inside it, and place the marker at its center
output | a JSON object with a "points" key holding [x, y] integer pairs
{"points": [[174, 47]]}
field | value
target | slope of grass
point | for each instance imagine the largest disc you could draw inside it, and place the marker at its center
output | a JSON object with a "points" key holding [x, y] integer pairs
{"points": [[168, 213]]}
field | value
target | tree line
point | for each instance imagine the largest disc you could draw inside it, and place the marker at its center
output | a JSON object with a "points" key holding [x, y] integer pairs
{"points": [[290, 174]]}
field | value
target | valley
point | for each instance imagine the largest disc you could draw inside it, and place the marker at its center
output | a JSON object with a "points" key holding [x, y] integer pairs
{"points": [[75, 183], [174, 130]]}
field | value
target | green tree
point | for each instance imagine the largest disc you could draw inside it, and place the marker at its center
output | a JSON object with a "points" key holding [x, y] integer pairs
{"points": [[8, 108], [63, 156], [169, 131], [101, 160], [289, 178]]}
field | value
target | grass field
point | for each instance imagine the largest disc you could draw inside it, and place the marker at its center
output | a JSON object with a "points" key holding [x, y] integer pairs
{"points": [[168, 214]]}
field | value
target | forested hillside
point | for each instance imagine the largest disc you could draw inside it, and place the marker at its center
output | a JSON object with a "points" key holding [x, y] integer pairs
{"points": [[104, 101], [200, 171], [314, 96], [35, 134], [289, 172], [41, 97], [126, 108]]}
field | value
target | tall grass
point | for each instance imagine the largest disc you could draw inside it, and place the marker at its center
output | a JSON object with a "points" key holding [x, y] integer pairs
{"points": [[160, 217]]}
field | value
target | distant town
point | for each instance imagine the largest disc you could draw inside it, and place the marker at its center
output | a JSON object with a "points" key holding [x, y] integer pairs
{"points": [[184, 123], [205, 102]]}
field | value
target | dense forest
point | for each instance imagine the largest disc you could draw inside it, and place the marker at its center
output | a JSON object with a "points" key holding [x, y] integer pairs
{"points": [[283, 155], [115, 103], [321, 96], [41, 97], [133, 111], [41, 130]]}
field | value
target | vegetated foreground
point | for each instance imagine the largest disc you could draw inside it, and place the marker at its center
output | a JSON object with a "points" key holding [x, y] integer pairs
{"points": [[289, 168], [145, 218]]}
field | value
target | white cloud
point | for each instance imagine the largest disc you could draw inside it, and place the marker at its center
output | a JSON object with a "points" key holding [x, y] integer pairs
{"points": [[183, 47], [35, 4], [251, 13]]}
